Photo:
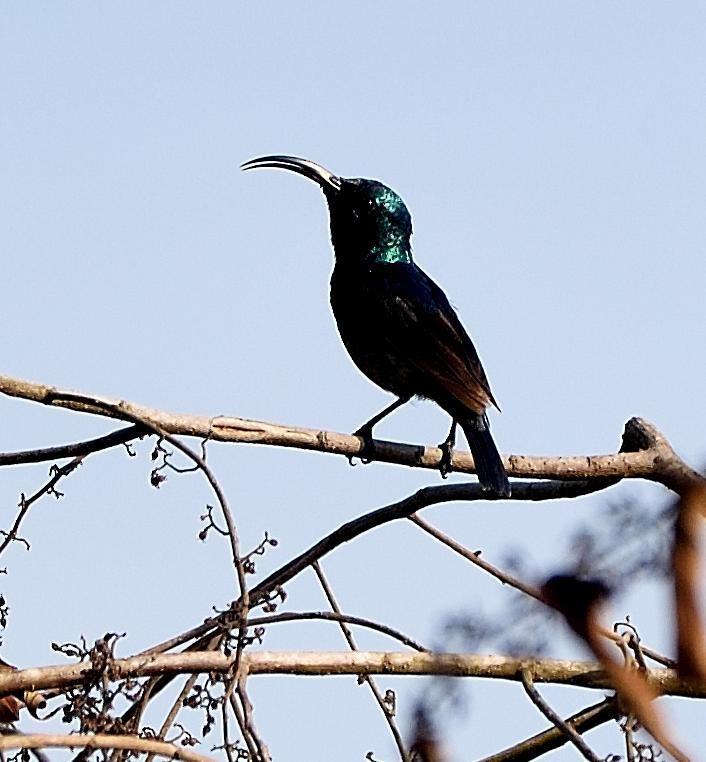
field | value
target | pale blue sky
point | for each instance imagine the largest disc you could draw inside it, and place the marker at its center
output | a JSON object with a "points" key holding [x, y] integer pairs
{"points": [[553, 157]]}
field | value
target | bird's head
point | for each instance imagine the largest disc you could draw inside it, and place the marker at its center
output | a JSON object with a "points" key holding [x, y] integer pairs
{"points": [[369, 221]]}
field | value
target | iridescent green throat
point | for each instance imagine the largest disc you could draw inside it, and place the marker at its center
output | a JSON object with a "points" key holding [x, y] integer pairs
{"points": [[391, 253], [393, 244]]}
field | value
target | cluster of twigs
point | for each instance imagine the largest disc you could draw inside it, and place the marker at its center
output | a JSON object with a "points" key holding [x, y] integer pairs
{"points": [[214, 656]]}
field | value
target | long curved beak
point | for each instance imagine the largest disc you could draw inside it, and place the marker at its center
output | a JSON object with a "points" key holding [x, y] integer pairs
{"points": [[320, 175]]}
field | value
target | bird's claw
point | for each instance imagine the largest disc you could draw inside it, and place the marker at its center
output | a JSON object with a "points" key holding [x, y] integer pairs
{"points": [[446, 461], [367, 451]]}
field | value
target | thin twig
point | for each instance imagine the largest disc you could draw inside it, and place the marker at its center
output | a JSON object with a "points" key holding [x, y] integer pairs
{"points": [[75, 450], [236, 694], [348, 635], [227, 743], [523, 587], [554, 738], [263, 753], [474, 558], [120, 410], [26, 503], [555, 719], [175, 709], [135, 418], [243, 725], [423, 498], [331, 616]]}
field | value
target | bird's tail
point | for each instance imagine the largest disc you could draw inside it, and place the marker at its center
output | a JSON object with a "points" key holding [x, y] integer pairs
{"points": [[489, 466]]}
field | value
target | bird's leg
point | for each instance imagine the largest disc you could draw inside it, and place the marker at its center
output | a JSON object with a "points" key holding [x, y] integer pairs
{"points": [[365, 432], [447, 451]]}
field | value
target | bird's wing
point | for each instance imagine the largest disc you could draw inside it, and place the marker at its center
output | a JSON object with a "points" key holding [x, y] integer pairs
{"points": [[427, 333]]}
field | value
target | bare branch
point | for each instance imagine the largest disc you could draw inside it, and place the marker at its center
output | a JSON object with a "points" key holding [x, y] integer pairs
{"points": [[552, 739], [75, 450], [237, 710], [523, 587], [101, 741], [348, 635], [124, 411], [177, 705], [474, 558], [569, 731], [332, 616], [423, 498], [576, 673], [646, 454], [26, 502], [262, 751]]}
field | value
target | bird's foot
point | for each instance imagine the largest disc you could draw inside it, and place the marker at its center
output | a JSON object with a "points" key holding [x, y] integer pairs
{"points": [[447, 451], [446, 462], [367, 451]]}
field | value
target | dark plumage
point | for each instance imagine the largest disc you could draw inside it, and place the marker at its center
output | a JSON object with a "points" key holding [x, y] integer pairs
{"points": [[395, 322]]}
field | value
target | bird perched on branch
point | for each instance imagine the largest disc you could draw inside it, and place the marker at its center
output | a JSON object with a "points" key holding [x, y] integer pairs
{"points": [[395, 322]]}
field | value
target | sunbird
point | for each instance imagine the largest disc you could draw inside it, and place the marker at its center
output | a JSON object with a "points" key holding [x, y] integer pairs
{"points": [[395, 322]]}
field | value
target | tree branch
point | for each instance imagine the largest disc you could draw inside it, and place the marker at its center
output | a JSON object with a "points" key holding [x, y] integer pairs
{"points": [[348, 635], [101, 741], [26, 502], [552, 739], [645, 453], [476, 560], [75, 450], [330, 616], [423, 498], [568, 730], [314, 663]]}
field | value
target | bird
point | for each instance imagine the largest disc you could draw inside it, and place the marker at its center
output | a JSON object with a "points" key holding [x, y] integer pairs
{"points": [[395, 322]]}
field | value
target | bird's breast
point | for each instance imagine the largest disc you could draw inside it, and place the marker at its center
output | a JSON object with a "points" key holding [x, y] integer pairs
{"points": [[361, 308]]}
